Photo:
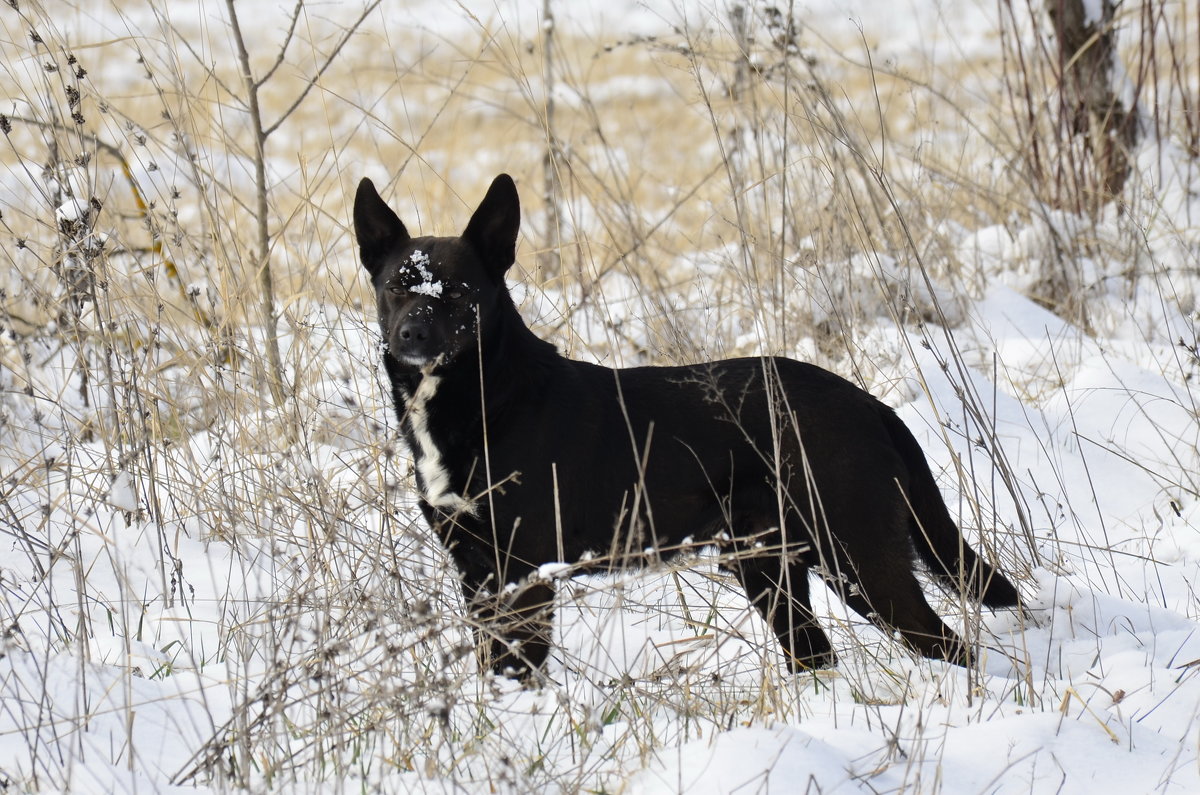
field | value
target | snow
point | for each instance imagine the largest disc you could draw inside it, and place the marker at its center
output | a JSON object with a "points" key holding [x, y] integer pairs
{"points": [[190, 573], [419, 261], [121, 494], [553, 571], [72, 210]]}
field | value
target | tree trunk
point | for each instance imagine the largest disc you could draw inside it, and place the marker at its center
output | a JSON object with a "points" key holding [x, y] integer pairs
{"points": [[1090, 110], [550, 258]]}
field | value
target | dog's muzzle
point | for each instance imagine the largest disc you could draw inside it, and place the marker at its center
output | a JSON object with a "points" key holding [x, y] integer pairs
{"points": [[418, 338]]}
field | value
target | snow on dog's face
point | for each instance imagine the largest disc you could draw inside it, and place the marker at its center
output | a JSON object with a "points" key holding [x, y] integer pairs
{"points": [[435, 295]]}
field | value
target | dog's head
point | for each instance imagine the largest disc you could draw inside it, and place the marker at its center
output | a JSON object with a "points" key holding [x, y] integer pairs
{"points": [[437, 295]]}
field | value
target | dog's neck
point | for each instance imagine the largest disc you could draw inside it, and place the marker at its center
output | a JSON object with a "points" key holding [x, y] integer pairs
{"points": [[442, 408]]}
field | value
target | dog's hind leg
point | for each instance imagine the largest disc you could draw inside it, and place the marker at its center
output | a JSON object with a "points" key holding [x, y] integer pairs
{"points": [[887, 593], [781, 595], [908, 613]]}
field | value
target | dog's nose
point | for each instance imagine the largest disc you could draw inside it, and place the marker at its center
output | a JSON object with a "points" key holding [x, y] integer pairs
{"points": [[414, 340], [413, 331]]}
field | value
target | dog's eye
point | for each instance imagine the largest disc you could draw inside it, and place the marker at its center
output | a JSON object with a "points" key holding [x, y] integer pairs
{"points": [[396, 289], [454, 293]]}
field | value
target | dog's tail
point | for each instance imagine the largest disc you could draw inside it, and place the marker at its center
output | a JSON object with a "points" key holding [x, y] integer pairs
{"points": [[937, 539]]}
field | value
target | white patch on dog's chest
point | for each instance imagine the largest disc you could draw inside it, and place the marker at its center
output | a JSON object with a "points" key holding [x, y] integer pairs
{"points": [[432, 474]]}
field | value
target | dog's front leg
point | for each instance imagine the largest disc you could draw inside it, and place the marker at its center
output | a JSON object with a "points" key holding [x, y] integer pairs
{"points": [[513, 628]]}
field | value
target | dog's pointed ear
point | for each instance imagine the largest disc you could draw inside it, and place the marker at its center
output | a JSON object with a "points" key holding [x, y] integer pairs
{"points": [[493, 228], [376, 227]]}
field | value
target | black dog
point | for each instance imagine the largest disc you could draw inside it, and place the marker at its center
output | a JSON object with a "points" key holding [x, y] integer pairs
{"points": [[524, 457]]}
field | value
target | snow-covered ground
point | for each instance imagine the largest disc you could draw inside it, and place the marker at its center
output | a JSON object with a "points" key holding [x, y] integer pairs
{"points": [[200, 590]]}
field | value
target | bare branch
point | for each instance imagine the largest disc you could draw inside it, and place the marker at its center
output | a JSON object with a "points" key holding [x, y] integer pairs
{"points": [[350, 31], [287, 40], [266, 282]]}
